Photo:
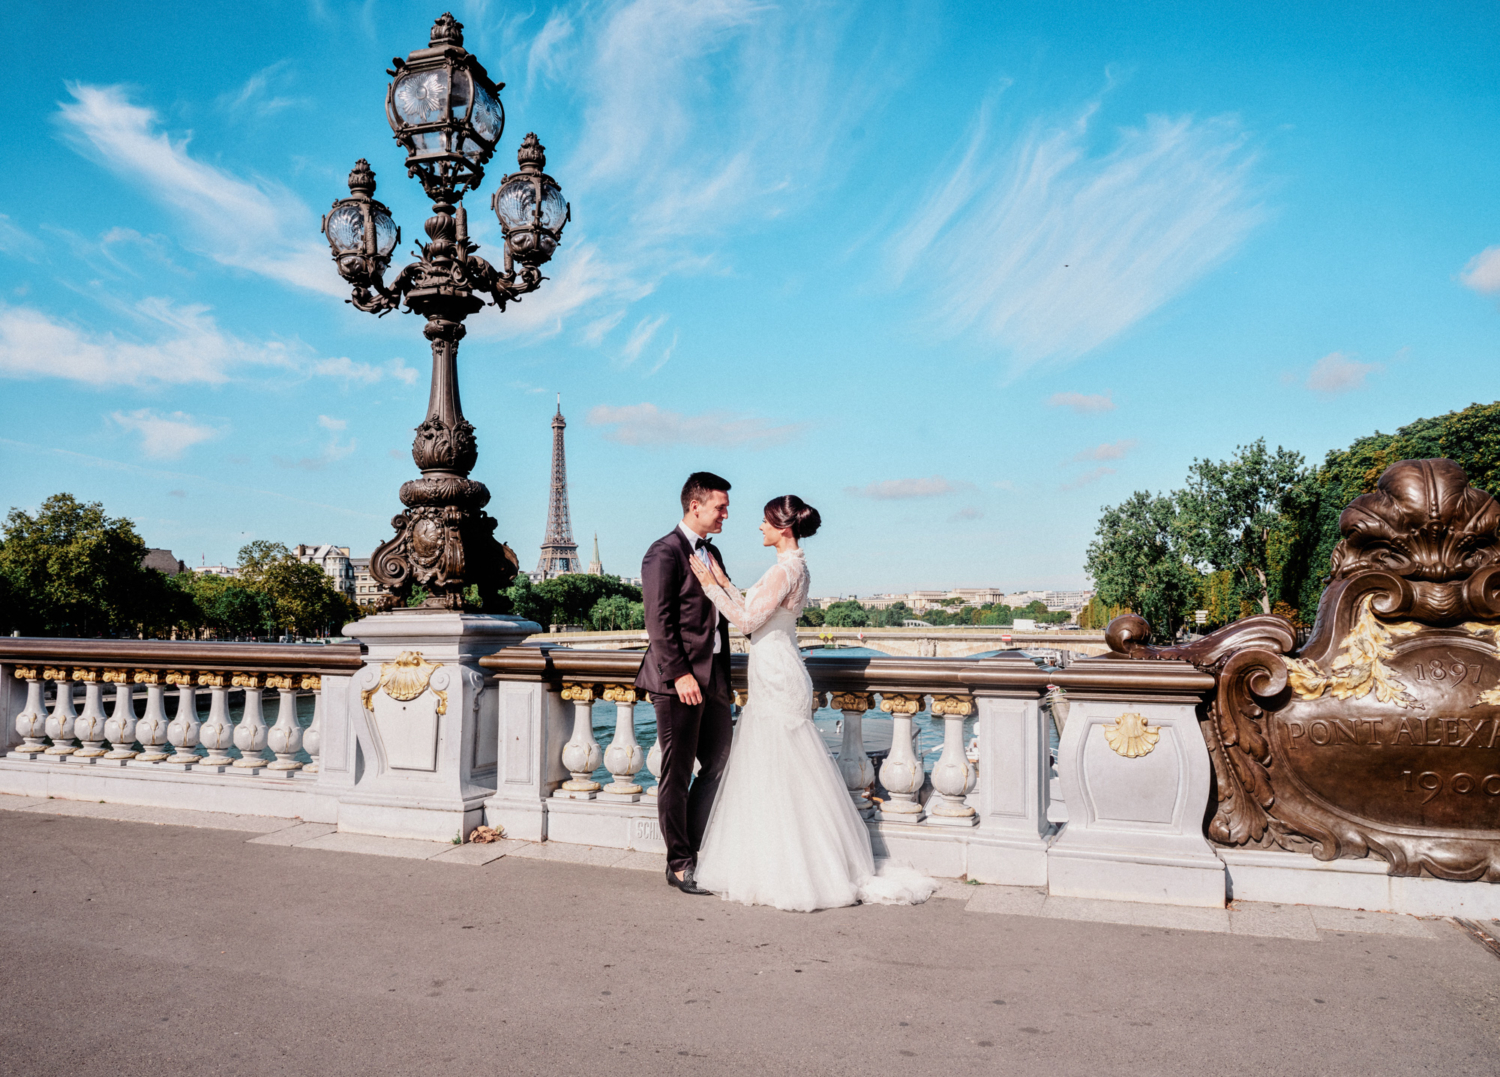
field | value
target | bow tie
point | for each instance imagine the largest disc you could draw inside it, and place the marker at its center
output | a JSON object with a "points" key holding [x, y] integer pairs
{"points": [[700, 544]]}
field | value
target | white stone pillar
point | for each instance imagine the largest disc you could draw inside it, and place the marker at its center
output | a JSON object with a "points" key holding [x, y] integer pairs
{"points": [[653, 762], [31, 723], [151, 730], [183, 729], [285, 737], [312, 736], [901, 773], [217, 733], [623, 757], [120, 729], [854, 762], [953, 776], [88, 727], [250, 734], [581, 755], [60, 721]]}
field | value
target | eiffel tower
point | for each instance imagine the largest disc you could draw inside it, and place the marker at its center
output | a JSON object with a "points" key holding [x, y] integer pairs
{"points": [[559, 551]]}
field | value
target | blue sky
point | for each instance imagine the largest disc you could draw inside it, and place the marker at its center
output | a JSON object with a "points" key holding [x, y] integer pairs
{"points": [[956, 274]]}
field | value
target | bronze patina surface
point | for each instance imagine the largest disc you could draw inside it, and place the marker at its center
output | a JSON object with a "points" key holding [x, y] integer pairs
{"points": [[1382, 734]]}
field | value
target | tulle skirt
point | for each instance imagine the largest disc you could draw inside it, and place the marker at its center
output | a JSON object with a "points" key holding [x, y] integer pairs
{"points": [[783, 831]]}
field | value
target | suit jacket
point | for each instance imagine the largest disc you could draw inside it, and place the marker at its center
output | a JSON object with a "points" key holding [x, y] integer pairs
{"points": [[679, 618]]}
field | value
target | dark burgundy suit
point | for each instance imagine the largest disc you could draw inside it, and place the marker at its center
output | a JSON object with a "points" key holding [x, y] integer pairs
{"points": [[680, 626]]}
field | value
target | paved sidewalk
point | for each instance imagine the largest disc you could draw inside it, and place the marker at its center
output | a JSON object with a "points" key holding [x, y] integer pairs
{"points": [[239, 944]]}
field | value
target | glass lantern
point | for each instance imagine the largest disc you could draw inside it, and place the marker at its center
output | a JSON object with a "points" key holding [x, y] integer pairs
{"points": [[530, 207], [446, 112], [360, 230]]}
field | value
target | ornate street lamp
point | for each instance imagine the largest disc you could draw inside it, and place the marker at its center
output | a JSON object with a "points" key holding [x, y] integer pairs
{"points": [[446, 113]]}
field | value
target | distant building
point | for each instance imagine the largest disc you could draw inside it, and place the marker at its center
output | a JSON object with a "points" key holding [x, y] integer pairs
{"points": [[333, 560], [216, 570], [1021, 599], [367, 591], [1072, 601], [596, 566], [163, 561]]}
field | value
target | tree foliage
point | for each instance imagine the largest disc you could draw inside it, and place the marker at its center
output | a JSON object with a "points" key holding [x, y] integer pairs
{"points": [[569, 599], [73, 570], [1255, 533]]}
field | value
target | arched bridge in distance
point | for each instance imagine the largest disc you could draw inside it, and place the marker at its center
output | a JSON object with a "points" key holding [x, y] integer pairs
{"points": [[905, 642]]}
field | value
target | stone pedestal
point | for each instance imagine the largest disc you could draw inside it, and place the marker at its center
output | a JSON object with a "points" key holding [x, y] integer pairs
{"points": [[1009, 844], [413, 750], [1136, 779]]}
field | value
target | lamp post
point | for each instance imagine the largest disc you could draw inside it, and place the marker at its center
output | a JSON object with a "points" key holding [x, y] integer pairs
{"points": [[446, 112]]}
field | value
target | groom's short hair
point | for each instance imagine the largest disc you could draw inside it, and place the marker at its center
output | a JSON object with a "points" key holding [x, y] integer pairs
{"points": [[698, 487]]}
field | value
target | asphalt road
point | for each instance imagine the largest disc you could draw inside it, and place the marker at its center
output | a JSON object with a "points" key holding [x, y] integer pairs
{"points": [[155, 950]]}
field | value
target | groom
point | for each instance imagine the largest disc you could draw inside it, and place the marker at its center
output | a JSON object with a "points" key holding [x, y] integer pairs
{"points": [[686, 670]]}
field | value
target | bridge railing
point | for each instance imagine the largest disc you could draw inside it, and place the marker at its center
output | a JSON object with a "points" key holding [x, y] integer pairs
{"points": [[418, 733], [985, 816]]}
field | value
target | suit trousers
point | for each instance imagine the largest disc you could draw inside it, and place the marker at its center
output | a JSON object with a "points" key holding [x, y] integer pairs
{"points": [[686, 733]]}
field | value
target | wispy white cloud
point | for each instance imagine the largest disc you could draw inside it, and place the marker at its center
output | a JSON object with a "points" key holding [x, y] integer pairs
{"points": [[1339, 373], [165, 437], [640, 336], [16, 240], [179, 345], [1082, 403], [1483, 272], [261, 227], [1088, 477], [1049, 250], [700, 117], [328, 422], [648, 425], [903, 489], [1109, 450], [259, 95]]}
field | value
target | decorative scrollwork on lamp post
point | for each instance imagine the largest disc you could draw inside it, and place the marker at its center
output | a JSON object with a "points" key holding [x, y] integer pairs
{"points": [[445, 111]]}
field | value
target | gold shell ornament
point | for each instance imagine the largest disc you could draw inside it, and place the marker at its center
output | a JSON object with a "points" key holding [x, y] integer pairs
{"points": [[1131, 737], [406, 678]]}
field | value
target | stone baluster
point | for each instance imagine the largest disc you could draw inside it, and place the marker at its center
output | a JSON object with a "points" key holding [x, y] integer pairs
{"points": [[31, 723], [854, 762], [953, 776], [312, 736], [151, 730], [623, 757], [120, 729], [60, 721], [653, 758], [901, 773], [250, 734], [285, 737], [88, 727], [581, 755], [185, 724], [217, 733]]}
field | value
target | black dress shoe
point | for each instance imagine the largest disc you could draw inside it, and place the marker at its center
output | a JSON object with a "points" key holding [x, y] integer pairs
{"points": [[687, 884]]}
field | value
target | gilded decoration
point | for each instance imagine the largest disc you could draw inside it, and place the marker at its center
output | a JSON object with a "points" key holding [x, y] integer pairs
{"points": [[1380, 735], [620, 693], [858, 702], [249, 680], [900, 703], [25, 673], [1360, 666], [116, 676], [180, 677], [312, 682], [952, 706], [1130, 736], [151, 676], [211, 680], [282, 682], [405, 679], [86, 676], [578, 693], [741, 697], [52, 673]]}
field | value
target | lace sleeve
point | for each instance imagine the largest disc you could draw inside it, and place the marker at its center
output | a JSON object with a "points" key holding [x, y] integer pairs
{"points": [[752, 612]]}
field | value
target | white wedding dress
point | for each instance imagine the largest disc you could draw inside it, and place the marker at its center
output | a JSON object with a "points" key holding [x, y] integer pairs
{"points": [[782, 830]]}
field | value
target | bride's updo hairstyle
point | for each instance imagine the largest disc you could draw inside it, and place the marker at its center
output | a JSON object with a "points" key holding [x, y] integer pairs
{"points": [[790, 512]]}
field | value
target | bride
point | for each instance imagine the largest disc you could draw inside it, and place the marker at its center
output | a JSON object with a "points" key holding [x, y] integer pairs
{"points": [[782, 830]]}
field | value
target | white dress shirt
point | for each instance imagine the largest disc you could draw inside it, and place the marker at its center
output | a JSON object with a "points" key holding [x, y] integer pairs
{"points": [[701, 554]]}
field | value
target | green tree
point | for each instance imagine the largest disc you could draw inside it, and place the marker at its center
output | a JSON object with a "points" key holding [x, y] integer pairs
{"points": [[1135, 564], [72, 570], [1229, 510], [812, 617], [617, 612], [846, 614]]}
